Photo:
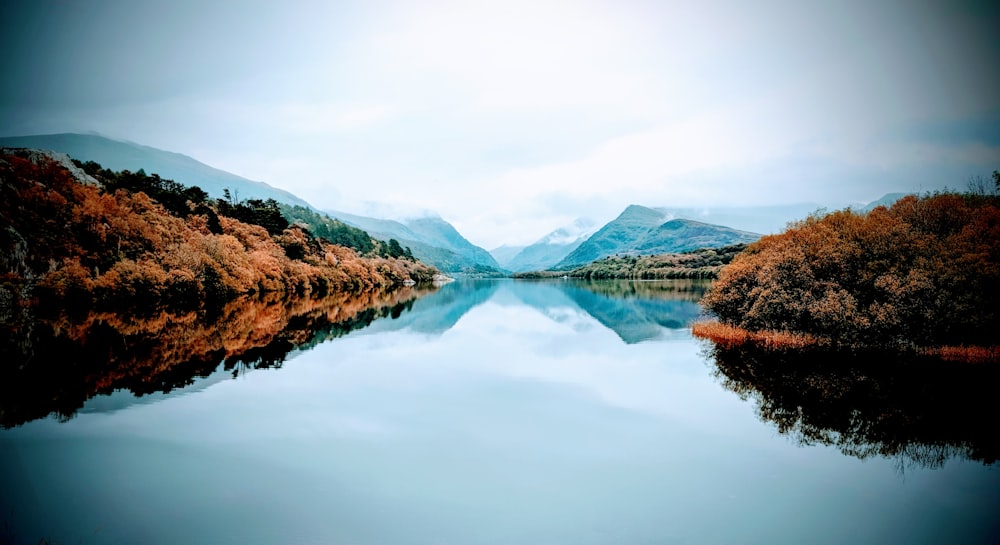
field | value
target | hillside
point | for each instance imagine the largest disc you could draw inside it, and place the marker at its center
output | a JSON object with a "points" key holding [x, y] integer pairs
{"points": [[701, 263], [437, 232], [103, 241], [431, 240], [119, 155], [646, 231], [457, 255]]}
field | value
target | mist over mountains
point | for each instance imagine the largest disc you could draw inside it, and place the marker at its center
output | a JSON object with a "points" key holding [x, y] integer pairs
{"points": [[546, 251], [431, 239], [639, 230]]}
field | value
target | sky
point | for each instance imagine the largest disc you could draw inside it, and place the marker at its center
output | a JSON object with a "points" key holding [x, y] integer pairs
{"points": [[510, 119]]}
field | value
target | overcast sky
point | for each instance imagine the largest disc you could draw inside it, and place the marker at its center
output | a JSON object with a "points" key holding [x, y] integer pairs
{"points": [[510, 118]]}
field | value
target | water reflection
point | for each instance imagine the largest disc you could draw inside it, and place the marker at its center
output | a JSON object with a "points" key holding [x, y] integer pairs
{"points": [[635, 310], [640, 311], [55, 364], [918, 411], [440, 311], [487, 412]]}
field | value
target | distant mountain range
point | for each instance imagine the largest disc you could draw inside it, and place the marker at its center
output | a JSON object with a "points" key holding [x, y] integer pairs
{"points": [[503, 254], [642, 230], [750, 220], [765, 220], [646, 231], [548, 250], [432, 240]]}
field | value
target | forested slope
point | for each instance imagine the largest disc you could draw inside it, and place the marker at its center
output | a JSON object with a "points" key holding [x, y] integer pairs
{"points": [[132, 239]]}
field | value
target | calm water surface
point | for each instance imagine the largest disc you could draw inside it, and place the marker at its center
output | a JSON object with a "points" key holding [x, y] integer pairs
{"points": [[492, 412]]}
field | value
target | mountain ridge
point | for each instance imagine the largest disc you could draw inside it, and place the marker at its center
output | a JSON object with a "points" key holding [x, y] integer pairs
{"points": [[122, 155], [641, 230], [458, 255], [431, 239], [550, 249]]}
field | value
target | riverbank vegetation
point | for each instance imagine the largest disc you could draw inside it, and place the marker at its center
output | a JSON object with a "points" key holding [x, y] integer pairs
{"points": [[922, 275], [696, 264], [704, 263], [131, 240]]}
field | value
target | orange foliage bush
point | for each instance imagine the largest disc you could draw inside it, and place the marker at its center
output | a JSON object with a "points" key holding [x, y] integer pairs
{"points": [[925, 272], [728, 336], [90, 246]]}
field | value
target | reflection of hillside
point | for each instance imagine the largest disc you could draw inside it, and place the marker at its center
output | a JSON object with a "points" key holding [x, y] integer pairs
{"points": [[56, 364], [919, 411], [635, 310], [438, 312], [664, 290], [122, 399]]}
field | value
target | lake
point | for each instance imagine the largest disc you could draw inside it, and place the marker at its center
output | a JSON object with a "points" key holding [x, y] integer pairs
{"points": [[482, 412]]}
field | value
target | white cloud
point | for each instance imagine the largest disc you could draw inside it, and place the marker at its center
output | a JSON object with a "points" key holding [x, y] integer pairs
{"points": [[511, 119], [525, 56]]}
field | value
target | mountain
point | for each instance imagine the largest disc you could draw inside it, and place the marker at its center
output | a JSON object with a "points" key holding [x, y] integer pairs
{"points": [[432, 240], [755, 219], [886, 200], [440, 233], [551, 248], [503, 254], [646, 231], [120, 155]]}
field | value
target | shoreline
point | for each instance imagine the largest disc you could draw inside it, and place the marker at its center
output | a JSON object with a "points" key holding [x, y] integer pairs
{"points": [[729, 337]]}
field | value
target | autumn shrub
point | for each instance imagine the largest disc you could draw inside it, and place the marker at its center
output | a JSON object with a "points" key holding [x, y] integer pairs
{"points": [[89, 246], [925, 272]]}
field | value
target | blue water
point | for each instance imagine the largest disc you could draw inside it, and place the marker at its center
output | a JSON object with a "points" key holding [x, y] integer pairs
{"points": [[490, 412]]}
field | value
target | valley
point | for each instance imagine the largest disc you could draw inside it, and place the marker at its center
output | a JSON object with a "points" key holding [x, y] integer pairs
{"points": [[637, 231], [490, 273]]}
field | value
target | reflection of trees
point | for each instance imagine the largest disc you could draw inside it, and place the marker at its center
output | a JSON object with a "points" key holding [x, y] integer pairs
{"points": [[917, 410], [55, 364], [674, 290]]}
